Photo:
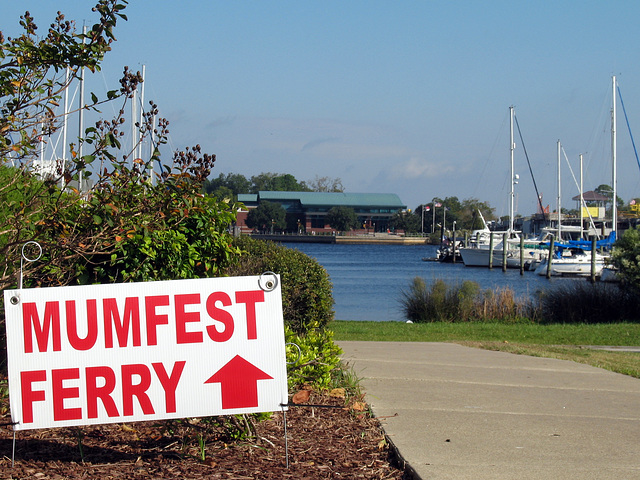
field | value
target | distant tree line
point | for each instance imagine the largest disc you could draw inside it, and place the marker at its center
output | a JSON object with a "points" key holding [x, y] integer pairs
{"points": [[429, 217], [230, 185], [425, 218], [269, 216]]}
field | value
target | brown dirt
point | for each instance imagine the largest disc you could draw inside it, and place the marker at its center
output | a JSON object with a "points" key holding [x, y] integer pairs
{"points": [[324, 443]]}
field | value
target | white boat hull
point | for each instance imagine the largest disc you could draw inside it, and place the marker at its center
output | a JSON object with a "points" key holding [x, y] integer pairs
{"points": [[577, 266], [479, 257]]}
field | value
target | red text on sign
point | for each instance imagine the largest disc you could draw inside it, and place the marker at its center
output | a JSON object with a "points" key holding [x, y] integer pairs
{"points": [[123, 326], [99, 384]]}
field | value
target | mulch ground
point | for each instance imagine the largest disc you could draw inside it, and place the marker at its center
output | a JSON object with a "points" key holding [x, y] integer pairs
{"points": [[323, 443]]}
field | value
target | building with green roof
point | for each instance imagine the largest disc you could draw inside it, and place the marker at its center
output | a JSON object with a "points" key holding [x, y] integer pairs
{"points": [[308, 210]]}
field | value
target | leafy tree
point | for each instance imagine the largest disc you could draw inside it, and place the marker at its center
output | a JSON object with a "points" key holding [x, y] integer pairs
{"points": [[276, 182], [453, 204], [464, 213], [626, 257], [410, 222], [224, 193], [607, 191], [325, 184], [571, 212], [126, 227], [286, 183], [262, 182], [267, 216], [468, 217], [438, 215], [31, 85], [227, 185], [238, 184], [342, 219], [174, 233]]}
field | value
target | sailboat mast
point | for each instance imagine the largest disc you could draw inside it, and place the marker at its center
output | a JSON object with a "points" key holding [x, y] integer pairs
{"points": [[581, 201], [614, 175], [134, 131], [141, 112], [81, 118], [559, 194], [65, 118], [512, 147]]}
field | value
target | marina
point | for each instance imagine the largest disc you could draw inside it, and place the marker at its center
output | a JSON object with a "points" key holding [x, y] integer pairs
{"points": [[368, 279]]}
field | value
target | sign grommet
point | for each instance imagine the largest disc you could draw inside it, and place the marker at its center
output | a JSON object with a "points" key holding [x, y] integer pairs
{"points": [[268, 281]]}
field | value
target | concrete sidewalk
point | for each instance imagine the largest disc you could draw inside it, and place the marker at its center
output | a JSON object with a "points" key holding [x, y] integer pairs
{"points": [[455, 412]]}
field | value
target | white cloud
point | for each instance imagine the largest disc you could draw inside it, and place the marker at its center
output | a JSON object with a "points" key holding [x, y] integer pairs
{"points": [[417, 167]]}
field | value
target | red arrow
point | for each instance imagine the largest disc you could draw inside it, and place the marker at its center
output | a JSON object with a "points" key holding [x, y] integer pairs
{"points": [[239, 382]]}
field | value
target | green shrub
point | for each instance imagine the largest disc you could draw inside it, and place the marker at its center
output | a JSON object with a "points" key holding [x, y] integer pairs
{"points": [[307, 304], [461, 303], [314, 364], [194, 245], [584, 302], [626, 257], [440, 302], [415, 301], [466, 296], [307, 299], [502, 305]]}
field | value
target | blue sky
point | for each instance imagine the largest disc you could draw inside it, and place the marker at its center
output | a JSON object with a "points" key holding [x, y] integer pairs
{"points": [[407, 97]]}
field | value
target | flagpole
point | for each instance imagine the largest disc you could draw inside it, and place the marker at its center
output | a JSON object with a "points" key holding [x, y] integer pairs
{"points": [[433, 220], [444, 222]]}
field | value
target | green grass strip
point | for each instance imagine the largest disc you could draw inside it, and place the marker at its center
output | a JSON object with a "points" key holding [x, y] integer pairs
{"points": [[556, 334], [565, 342]]}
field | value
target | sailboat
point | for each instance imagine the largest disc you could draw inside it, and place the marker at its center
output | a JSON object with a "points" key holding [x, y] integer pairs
{"points": [[480, 253], [569, 261], [577, 258]]}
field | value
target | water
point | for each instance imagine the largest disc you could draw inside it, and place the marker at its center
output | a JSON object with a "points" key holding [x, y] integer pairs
{"points": [[368, 279]]}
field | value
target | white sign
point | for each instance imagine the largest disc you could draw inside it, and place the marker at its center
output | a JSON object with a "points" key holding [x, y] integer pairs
{"points": [[145, 351]]}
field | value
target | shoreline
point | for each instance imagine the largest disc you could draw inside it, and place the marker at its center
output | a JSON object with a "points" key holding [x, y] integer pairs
{"points": [[373, 238]]}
